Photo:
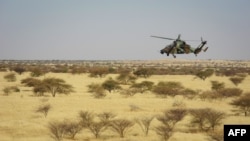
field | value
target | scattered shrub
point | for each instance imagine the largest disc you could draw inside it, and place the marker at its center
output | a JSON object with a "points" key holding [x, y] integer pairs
{"points": [[50, 85], [111, 85], [172, 116], [86, 118], [214, 118], [204, 74], [78, 70], [217, 85], [220, 94], [168, 121], [236, 80], [164, 131], [87, 121], [44, 109], [209, 95], [188, 93], [143, 86], [199, 119], [106, 117], [10, 89], [57, 130], [98, 71], [226, 72], [126, 78], [242, 103], [143, 72], [36, 72], [229, 92], [121, 126], [168, 88], [96, 126], [39, 90], [144, 123], [97, 90], [31, 82], [129, 92], [57, 85], [59, 68], [7, 91], [19, 70], [72, 128], [206, 119], [11, 77]]}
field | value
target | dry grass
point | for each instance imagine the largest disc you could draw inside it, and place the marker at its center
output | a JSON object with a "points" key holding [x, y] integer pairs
{"points": [[18, 121]]}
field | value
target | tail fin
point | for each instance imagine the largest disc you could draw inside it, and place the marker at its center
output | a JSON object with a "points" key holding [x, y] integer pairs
{"points": [[205, 49], [199, 48]]}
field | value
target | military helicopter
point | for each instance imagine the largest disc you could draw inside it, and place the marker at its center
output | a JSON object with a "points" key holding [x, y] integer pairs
{"points": [[181, 47]]}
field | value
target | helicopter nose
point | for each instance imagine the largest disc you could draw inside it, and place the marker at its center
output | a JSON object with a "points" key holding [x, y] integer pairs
{"points": [[162, 52]]}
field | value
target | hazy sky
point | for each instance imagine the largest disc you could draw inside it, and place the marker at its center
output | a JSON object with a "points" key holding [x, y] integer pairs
{"points": [[121, 29]]}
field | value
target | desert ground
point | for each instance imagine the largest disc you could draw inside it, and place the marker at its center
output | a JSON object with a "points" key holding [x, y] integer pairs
{"points": [[20, 122]]}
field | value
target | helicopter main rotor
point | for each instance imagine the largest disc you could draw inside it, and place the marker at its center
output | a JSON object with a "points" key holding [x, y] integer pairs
{"points": [[178, 38], [162, 37]]}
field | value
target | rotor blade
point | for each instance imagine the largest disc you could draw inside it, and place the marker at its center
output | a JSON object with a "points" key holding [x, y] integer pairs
{"points": [[162, 37], [192, 40]]}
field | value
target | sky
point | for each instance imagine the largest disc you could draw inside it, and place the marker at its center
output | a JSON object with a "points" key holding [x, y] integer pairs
{"points": [[121, 29]]}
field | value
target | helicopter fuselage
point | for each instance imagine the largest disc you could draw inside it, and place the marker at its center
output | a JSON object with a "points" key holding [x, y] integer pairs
{"points": [[177, 47], [180, 47]]}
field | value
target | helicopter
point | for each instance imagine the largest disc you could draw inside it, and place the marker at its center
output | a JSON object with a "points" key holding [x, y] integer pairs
{"points": [[181, 47]]}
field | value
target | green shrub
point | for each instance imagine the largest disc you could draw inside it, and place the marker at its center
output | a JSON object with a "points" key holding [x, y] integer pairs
{"points": [[56, 86], [72, 128], [229, 92], [206, 119], [188, 93], [242, 103], [96, 127], [143, 72], [168, 88], [236, 80], [97, 90], [143, 86], [204, 74], [98, 71], [121, 126], [31, 82], [19, 70], [217, 85], [209, 95], [36, 72], [11, 77], [126, 78], [168, 121], [57, 130], [50, 85], [111, 85], [8, 90], [144, 123], [44, 109]]}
